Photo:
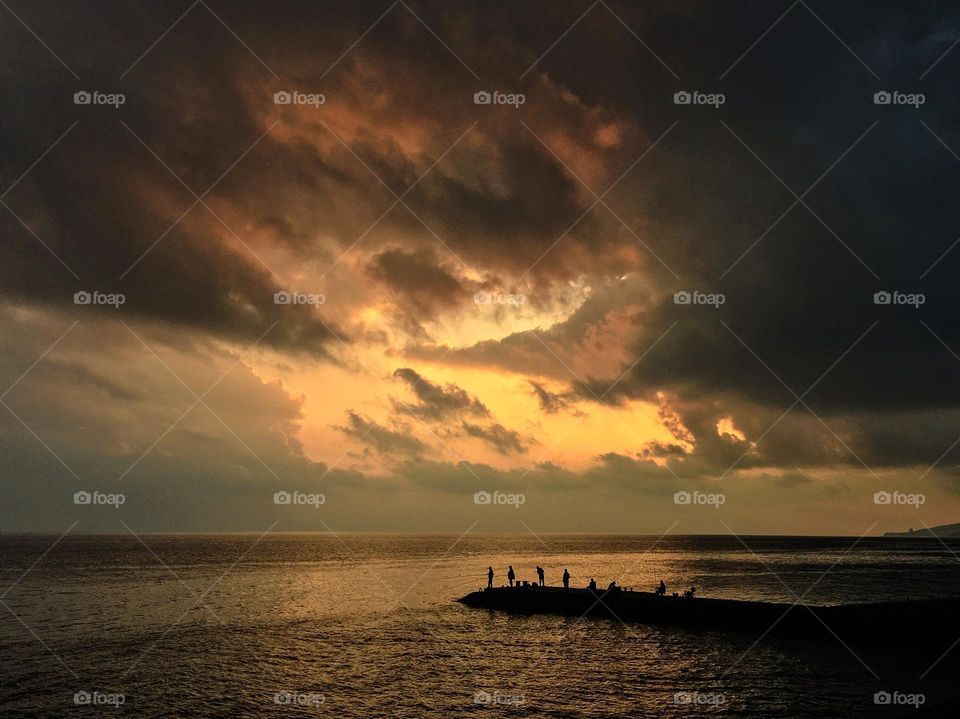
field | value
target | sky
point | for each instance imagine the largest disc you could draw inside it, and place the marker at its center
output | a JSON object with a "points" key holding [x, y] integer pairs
{"points": [[487, 296]]}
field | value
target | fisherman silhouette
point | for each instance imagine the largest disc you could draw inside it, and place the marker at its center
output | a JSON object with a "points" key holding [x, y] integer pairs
{"points": [[689, 594], [566, 579], [612, 586], [510, 575], [540, 575], [593, 585], [489, 577], [662, 589]]}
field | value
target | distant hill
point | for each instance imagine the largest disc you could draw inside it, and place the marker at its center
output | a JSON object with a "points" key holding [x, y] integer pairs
{"points": [[944, 530]]}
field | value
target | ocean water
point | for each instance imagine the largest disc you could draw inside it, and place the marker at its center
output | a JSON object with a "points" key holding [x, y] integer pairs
{"points": [[365, 625]]}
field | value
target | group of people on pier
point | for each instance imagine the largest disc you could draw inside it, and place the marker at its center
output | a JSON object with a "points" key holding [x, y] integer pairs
{"points": [[660, 590], [512, 577]]}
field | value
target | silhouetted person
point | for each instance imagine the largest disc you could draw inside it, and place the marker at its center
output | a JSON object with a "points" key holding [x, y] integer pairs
{"points": [[593, 585], [510, 575], [489, 577], [612, 586], [662, 589], [540, 575], [689, 594], [566, 579]]}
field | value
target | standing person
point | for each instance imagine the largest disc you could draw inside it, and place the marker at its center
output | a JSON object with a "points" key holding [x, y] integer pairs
{"points": [[540, 575], [489, 577], [566, 579], [510, 575]]}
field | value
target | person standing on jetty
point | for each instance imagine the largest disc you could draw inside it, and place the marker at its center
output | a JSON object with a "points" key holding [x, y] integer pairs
{"points": [[566, 579], [540, 575], [489, 577], [510, 575]]}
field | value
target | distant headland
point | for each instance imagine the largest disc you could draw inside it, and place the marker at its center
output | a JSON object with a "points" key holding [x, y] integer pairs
{"points": [[943, 530]]}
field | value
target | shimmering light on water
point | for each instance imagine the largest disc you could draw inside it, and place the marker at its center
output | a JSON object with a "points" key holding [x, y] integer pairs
{"points": [[366, 626]]}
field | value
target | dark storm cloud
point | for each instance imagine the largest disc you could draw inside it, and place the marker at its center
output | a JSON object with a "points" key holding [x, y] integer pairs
{"points": [[799, 299], [550, 402], [108, 209], [202, 102], [419, 283], [703, 213], [383, 439], [799, 284], [662, 449], [505, 441], [437, 402]]}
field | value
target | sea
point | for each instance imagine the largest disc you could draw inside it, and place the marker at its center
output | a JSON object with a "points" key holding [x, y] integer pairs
{"points": [[367, 625]]}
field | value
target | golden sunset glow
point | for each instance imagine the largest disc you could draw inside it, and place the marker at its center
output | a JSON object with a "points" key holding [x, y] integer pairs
{"points": [[426, 252]]}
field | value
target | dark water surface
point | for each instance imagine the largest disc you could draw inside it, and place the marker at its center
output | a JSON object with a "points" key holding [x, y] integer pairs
{"points": [[364, 625]]}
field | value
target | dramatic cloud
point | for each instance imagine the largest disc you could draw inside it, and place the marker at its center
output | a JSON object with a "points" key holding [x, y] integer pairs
{"points": [[421, 285], [504, 440], [383, 439], [547, 268], [437, 402], [550, 402]]}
